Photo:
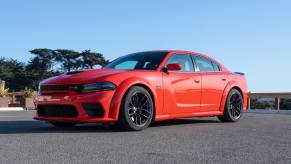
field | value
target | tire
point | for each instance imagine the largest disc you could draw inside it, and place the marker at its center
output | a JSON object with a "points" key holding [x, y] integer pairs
{"points": [[233, 109], [63, 124], [136, 110]]}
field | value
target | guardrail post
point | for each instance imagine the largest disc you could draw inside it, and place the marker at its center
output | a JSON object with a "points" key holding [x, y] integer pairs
{"points": [[249, 103], [277, 103]]}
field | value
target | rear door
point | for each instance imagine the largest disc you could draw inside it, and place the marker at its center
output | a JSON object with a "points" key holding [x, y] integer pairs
{"points": [[182, 89], [214, 82]]}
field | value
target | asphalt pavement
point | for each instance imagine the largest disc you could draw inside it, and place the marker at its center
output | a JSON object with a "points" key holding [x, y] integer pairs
{"points": [[256, 138]]}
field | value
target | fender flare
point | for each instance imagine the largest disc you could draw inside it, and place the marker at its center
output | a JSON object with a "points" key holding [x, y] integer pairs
{"points": [[227, 89], [121, 91]]}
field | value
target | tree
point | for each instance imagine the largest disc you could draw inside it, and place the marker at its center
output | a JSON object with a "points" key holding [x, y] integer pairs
{"points": [[45, 57], [259, 104], [13, 73], [69, 59], [285, 104], [46, 63], [90, 59], [40, 66], [35, 71]]}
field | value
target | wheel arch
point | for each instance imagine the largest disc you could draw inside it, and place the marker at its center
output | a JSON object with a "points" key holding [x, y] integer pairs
{"points": [[150, 92], [228, 88], [121, 92], [239, 89]]}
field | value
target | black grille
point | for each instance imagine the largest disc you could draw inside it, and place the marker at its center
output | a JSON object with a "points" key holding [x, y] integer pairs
{"points": [[66, 111], [73, 72], [54, 87], [72, 87]]}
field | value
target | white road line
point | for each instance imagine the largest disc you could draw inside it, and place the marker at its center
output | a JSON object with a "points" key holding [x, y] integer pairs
{"points": [[9, 116], [10, 109]]}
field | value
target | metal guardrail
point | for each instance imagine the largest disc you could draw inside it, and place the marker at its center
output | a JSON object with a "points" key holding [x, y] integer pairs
{"points": [[276, 95]]}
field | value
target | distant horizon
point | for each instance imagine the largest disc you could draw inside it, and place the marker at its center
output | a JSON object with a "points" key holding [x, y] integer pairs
{"points": [[246, 36]]}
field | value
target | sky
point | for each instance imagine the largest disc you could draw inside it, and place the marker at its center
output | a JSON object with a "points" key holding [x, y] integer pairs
{"points": [[250, 36]]}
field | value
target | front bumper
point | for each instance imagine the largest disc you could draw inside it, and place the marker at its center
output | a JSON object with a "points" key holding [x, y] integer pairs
{"points": [[79, 102]]}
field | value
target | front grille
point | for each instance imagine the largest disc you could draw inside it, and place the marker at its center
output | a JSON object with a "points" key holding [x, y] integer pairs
{"points": [[54, 87], [54, 93], [65, 111]]}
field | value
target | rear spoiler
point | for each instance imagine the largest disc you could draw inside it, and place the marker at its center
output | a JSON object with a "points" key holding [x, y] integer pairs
{"points": [[239, 73]]}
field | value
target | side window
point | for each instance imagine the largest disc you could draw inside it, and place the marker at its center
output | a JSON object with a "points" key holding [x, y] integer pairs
{"points": [[216, 67], [184, 60], [204, 64]]}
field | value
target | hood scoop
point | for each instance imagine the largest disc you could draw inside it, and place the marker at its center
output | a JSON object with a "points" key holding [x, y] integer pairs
{"points": [[73, 72]]}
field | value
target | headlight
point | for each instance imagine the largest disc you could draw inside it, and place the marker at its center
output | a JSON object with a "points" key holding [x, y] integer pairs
{"points": [[95, 87]]}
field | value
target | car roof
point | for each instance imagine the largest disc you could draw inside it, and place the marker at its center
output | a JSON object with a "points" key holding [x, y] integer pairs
{"points": [[183, 51], [194, 53]]}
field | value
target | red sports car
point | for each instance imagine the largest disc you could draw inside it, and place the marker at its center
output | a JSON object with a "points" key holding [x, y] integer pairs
{"points": [[139, 88]]}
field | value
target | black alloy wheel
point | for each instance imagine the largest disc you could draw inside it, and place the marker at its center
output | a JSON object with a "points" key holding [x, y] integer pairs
{"points": [[233, 107], [137, 109]]}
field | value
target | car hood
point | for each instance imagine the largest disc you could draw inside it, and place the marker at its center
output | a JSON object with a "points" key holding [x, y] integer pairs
{"points": [[80, 77]]}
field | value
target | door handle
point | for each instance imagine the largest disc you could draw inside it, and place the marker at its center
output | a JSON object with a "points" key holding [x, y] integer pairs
{"points": [[196, 81]]}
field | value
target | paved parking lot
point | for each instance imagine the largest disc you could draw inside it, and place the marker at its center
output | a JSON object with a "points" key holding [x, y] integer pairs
{"points": [[257, 138]]}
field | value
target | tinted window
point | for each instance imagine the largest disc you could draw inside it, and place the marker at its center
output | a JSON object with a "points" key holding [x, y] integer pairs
{"points": [[204, 64], [184, 60], [216, 67], [126, 65], [141, 60]]}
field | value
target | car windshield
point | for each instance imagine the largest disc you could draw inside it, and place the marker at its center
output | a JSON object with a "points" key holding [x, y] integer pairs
{"points": [[141, 60]]}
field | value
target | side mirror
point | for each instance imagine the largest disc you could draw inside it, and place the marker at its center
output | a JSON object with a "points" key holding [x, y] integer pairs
{"points": [[174, 67]]}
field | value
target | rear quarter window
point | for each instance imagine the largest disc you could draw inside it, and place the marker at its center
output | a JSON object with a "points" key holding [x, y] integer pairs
{"points": [[216, 67], [204, 64]]}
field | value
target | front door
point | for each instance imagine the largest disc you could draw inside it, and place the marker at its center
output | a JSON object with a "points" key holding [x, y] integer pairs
{"points": [[182, 89]]}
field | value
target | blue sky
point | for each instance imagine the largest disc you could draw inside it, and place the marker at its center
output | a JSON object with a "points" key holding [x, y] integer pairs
{"points": [[250, 36]]}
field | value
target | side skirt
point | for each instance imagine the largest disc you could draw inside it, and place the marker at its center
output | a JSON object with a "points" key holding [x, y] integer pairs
{"points": [[187, 115]]}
